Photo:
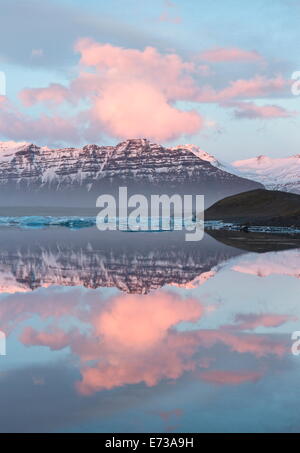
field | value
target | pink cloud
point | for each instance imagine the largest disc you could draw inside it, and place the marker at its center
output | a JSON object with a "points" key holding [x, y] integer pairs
{"points": [[127, 98], [131, 91], [135, 341], [252, 321], [259, 86], [249, 110], [55, 339], [116, 64], [229, 377], [138, 342], [220, 55], [114, 367], [53, 94], [19, 126], [16, 308], [258, 345], [138, 109], [127, 93], [137, 334], [131, 342]]}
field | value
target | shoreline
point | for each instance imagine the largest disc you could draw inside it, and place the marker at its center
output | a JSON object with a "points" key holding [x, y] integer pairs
{"points": [[226, 226]]}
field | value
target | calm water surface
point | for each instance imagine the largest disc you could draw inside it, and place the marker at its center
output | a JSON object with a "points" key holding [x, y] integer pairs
{"points": [[144, 332]]}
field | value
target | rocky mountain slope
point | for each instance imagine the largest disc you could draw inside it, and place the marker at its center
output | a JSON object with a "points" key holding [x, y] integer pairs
{"points": [[63, 175]]}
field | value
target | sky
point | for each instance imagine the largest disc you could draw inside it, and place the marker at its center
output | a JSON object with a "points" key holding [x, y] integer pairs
{"points": [[217, 74]]}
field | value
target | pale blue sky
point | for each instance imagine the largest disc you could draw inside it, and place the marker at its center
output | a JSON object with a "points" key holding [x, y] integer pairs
{"points": [[37, 49]]}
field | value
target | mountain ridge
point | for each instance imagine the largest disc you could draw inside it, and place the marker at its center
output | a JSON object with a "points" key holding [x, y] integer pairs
{"points": [[85, 172]]}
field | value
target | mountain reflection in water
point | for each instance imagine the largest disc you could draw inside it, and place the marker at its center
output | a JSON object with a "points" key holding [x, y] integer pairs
{"points": [[120, 332]]}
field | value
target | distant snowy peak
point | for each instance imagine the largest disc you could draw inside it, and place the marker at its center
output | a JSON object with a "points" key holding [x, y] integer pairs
{"points": [[274, 173], [12, 145], [8, 149], [263, 163]]}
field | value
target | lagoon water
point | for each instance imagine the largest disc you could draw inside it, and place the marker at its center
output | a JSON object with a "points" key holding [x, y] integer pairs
{"points": [[145, 332]]}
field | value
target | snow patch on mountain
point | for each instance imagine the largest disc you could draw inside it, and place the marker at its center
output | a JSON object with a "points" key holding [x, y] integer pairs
{"points": [[273, 263], [198, 152], [8, 149], [275, 173]]}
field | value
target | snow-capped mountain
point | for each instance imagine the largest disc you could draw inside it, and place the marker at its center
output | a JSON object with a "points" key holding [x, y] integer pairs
{"points": [[274, 173], [42, 173]]}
